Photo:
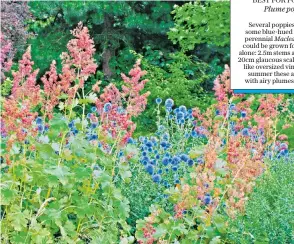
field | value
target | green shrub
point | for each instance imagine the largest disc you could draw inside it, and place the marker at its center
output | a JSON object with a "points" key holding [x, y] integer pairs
{"points": [[269, 214]]}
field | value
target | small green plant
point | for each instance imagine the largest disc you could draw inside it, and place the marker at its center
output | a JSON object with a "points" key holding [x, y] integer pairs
{"points": [[269, 212]]}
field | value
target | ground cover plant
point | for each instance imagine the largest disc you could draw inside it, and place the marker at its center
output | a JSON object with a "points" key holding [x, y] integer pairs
{"points": [[134, 158]]}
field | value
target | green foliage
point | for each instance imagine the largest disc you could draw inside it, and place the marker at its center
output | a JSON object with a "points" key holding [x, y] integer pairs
{"points": [[115, 26], [178, 76], [269, 211], [198, 23], [142, 192], [65, 197]]}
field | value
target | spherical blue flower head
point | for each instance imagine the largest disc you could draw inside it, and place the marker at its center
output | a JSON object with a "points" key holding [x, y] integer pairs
{"points": [[150, 149], [156, 178], [169, 103], [245, 132], [165, 136], [93, 109], [177, 181], [180, 115], [93, 137], [94, 125], [89, 115], [144, 153], [148, 144], [75, 131], [170, 116], [174, 168], [190, 116], [217, 112], [39, 121], [165, 161], [190, 162], [141, 138], [183, 109], [176, 159], [187, 135], [283, 146], [194, 133], [71, 124], [185, 157], [157, 156], [158, 100], [185, 211], [120, 154], [166, 170], [145, 148], [146, 159], [182, 121], [176, 110], [200, 160], [260, 131], [130, 140], [207, 199], [163, 144], [160, 171], [144, 162], [243, 114], [149, 168], [107, 107], [232, 106], [40, 128], [284, 152]]}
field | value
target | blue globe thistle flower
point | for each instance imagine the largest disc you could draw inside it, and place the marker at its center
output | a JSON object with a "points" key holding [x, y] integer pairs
{"points": [[93, 109], [156, 178], [185, 211], [166, 170], [39, 121], [217, 112], [40, 128], [149, 168], [160, 171], [141, 138], [176, 160], [144, 153], [150, 149], [190, 162], [169, 103], [185, 157], [89, 115], [157, 156], [245, 132], [153, 162], [174, 168], [149, 144], [163, 144], [200, 160], [158, 100], [120, 154], [94, 125], [177, 181], [182, 121], [165, 161], [183, 109], [194, 134], [243, 114], [93, 137], [144, 162], [75, 131], [176, 110], [107, 107], [180, 115], [232, 106], [207, 199], [130, 140]]}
